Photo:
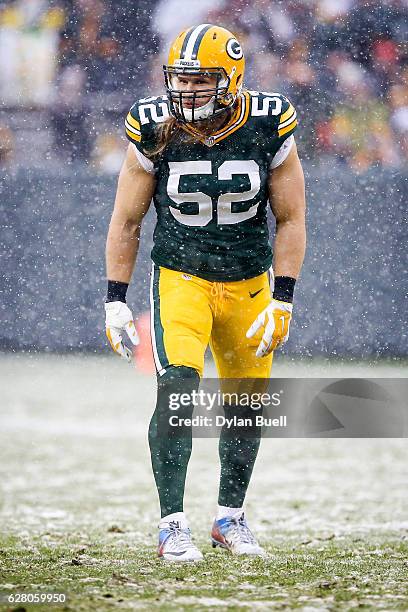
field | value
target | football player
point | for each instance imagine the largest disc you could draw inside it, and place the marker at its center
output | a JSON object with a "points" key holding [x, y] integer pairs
{"points": [[212, 156]]}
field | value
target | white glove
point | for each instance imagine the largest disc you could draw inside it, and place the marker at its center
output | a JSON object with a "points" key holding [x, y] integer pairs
{"points": [[275, 320], [118, 318]]}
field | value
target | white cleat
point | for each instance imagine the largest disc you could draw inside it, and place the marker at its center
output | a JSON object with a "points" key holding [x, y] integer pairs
{"points": [[233, 533], [175, 543]]}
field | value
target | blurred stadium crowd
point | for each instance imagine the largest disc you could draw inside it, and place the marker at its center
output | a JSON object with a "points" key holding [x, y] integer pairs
{"points": [[70, 69]]}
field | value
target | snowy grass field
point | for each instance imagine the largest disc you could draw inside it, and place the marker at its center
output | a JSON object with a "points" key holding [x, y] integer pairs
{"points": [[78, 508]]}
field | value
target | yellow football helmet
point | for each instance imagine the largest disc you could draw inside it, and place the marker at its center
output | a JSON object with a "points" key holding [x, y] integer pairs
{"points": [[205, 50]]}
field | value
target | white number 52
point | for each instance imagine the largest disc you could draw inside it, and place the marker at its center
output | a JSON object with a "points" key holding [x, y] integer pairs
{"points": [[224, 212]]}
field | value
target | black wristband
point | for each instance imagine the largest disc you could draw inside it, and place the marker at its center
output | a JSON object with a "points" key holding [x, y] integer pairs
{"points": [[116, 291], [284, 288]]}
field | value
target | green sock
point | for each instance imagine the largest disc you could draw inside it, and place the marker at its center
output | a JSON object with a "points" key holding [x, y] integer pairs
{"points": [[238, 449], [170, 448]]}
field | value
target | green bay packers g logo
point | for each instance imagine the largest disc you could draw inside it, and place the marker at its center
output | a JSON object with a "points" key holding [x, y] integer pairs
{"points": [[234, 49]]}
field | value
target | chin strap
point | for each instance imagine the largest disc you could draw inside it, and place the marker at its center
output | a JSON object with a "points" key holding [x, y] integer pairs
{"points": [[202, 112], [203, 137]]}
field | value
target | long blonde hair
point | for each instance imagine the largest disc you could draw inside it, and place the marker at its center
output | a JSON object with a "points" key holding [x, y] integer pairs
{"points": [[170, 129], [165, 131]]}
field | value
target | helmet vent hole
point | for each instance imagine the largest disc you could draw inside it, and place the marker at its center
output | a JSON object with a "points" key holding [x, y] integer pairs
{"points": [[214, 35]]}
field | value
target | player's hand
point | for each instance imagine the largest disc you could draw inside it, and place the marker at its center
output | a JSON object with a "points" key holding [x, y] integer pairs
{"points": [[119, 318], [275, 321]]}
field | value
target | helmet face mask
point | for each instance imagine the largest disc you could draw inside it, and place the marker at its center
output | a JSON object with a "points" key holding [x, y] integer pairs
{"points": [[187, 106], [210, 54]]}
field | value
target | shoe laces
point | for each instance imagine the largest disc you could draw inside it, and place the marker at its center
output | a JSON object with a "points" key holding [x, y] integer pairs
{"points": [[239, 530], [178, 537]]}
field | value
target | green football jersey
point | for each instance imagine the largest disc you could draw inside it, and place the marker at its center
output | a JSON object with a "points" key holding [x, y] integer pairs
{"points": [[211, 197]]}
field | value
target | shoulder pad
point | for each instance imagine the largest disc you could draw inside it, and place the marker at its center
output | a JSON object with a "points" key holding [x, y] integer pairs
{"points": [[153, 110], [142, 118], [132, 125], [278, 108]]}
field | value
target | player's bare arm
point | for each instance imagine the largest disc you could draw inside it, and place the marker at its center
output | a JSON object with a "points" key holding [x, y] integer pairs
{"points": [[287, 198], [133, 197], [286, 188]]}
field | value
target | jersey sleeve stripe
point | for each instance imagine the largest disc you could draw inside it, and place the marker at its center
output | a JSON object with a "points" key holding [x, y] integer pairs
{"points": [[288, 113], [131, 129], [133, 122], [288, 128], [285, 123], [133, 137]]}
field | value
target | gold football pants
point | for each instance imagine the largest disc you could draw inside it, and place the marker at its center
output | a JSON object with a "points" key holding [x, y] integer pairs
{"points": [[188, 313]]}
